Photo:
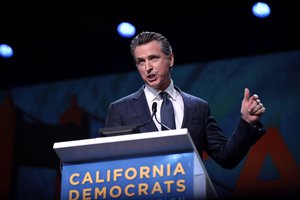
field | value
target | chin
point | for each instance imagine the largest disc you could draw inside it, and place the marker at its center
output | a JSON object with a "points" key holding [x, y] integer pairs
{"points": [[153, 85]]}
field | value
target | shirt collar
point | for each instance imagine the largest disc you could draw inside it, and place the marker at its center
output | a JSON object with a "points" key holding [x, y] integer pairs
{"points": [[153, 94]]}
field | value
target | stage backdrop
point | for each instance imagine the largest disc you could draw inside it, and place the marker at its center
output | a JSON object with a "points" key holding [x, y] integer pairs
{"points": [[34, 117]]}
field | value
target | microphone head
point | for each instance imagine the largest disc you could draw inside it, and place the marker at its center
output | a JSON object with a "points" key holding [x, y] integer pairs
{"points": [[154, 107]]}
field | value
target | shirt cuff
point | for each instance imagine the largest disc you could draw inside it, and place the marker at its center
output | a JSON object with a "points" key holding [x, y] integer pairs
{"points": [[259, 126]]}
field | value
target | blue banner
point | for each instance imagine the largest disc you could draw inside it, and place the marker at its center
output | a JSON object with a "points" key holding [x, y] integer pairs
{"points": [[155, 177]]}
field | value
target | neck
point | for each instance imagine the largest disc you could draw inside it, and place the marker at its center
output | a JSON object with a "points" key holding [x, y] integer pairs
{"points": [[165, 85]]}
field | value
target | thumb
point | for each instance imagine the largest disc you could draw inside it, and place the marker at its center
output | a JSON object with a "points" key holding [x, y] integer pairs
{"points": [[246, 94]]}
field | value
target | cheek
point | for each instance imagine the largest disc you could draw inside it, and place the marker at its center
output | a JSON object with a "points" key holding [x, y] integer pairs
{"points": [[166, 70], [142, 73]]}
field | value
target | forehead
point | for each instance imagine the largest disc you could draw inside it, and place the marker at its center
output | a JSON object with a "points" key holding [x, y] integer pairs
{"points": [[153, 47]]}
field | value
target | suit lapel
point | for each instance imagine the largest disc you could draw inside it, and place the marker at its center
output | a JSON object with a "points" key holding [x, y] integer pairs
{"points": [[142, 109], [188, 109]]}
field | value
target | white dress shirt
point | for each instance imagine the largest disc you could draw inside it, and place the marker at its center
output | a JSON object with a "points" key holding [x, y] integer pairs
{"points": [[152, 96]]}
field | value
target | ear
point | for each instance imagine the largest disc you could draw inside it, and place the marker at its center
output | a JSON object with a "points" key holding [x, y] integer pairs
{"points": [[171, 57]]}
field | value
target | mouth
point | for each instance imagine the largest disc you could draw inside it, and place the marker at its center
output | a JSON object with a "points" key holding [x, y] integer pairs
{"points": [[151, 77]]}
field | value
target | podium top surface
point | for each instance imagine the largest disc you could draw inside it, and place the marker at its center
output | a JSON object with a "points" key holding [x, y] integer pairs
{"points": [[140, 144]]}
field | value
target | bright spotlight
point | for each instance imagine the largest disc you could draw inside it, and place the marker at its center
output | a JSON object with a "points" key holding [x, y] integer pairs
{"points": [[261, 10], [126, 29], [6, 51]]}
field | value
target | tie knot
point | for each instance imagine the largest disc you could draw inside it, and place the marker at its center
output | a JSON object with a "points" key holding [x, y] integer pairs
{"points": [[163, 95]]}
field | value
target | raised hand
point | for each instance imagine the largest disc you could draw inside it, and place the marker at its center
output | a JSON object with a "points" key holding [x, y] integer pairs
{"points": [[252, 108]]}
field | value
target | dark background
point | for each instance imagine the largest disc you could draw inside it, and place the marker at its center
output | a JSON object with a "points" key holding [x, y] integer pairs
{"points": [[58, 40]]}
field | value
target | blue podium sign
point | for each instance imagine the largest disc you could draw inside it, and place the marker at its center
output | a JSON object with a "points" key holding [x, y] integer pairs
{"points": [[153, 177]]}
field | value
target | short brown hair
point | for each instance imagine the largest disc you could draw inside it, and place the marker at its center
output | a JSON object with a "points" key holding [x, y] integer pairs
{"points": [[146, 37]]}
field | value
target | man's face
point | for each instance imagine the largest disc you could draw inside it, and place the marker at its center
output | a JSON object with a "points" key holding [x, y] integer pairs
{"points": [[153, 65]]}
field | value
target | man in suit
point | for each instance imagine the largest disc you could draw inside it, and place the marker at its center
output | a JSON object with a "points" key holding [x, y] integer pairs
{"points": [[154, 60]]}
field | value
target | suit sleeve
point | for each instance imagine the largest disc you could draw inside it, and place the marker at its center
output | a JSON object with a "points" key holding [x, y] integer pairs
{"points": [[113, 117], [228, 152]]}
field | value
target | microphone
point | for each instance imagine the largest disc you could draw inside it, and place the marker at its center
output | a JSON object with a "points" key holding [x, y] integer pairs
{"points": [[154, 109], [161, 123], [124, 130]]}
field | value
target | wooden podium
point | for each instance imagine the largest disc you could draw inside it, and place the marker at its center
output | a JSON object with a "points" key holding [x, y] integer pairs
{"points": [[152, 165]]}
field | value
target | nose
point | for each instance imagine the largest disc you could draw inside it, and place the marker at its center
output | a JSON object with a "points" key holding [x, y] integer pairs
{"points": [[148, 66]]}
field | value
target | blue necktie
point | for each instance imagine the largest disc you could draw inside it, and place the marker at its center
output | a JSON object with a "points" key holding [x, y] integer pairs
{"points": [[167, 112]]}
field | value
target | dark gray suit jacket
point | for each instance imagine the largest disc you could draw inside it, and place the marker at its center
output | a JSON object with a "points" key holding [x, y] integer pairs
{"points": [[206, 134]]}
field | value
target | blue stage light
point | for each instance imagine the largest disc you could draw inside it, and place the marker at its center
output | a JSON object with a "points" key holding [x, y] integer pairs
{"points": [[261, 10], [126, 29], [6, 51]]}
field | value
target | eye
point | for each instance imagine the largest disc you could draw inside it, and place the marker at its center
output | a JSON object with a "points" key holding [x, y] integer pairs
{"points": [[154, 58], [140, 63]]}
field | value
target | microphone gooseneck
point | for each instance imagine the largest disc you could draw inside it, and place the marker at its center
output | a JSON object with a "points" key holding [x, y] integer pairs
{"points": [[154, 109], [162, 123], [154, 106]]}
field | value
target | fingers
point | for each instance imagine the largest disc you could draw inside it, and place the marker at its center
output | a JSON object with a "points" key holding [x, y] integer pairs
{"points": [[255, 97], [257, 108], [254, 101]]}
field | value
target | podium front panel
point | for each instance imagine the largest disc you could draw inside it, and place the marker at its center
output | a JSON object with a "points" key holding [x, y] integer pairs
{"points": [[153, 177], [154, 165]]}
